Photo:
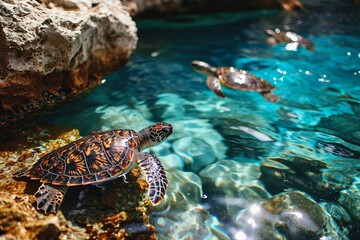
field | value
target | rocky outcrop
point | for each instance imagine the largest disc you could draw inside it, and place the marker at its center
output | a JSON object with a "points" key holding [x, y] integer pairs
{"points": [[53, 50]]}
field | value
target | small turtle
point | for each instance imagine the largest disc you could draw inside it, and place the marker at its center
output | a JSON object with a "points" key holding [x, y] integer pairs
{"points": [[276, 37], [290, 5], [234, 78], [99, 157]]}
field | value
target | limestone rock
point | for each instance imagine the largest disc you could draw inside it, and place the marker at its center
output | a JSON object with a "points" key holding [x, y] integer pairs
{"points": [[52, 50], [298, 214], [288, 215], [19, 220]]}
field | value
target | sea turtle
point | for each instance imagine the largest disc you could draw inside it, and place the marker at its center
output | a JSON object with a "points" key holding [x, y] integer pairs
{"points": [[99, 157], [276, 37], [290, 5], [234, 78]]}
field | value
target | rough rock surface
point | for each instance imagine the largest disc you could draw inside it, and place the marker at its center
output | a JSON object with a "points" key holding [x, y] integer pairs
{"points": [[19, 220], [52, 50], [112, 210]]}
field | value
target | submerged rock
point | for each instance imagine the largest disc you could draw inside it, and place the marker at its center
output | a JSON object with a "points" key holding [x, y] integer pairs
{"points": [[180, 215], [20, 220], [340, 221], [199, 129], [344, 126], [337, 149], [310, 175], [55, 50], [113, 117], [248, 138], [196, 152], [298, 215], [111, 210], [289, 215], [350, 200], [232, 186]]}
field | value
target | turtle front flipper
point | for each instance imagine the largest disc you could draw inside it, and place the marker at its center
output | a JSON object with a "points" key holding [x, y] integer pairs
{"points": [[155, 176], [49, 197], [214, 84], [269, 96]]}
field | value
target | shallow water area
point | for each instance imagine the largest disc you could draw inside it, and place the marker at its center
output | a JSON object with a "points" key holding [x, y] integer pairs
{"points": [[242, 167]]}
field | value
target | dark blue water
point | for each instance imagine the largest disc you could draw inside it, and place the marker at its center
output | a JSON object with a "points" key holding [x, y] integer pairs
{"points": [[241, 167]]}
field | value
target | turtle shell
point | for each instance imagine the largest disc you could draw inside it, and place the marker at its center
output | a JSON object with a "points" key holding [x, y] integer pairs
{"points": [[290, 37], [285, 37], [242, 80], [94, 158]]}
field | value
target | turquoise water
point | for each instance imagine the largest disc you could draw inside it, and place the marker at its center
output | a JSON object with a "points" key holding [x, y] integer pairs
{"points": [[241, 167]]}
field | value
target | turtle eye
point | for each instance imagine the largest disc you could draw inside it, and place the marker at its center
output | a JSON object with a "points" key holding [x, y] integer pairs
{"points": [[167, 130], [160, 132]]}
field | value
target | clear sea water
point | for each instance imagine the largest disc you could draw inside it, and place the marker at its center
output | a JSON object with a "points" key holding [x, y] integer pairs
{"points": [[229, 156]]}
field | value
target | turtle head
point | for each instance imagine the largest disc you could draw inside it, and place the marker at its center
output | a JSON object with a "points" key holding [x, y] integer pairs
{"points": [[269, 32], [203, 67], [155, 134]]}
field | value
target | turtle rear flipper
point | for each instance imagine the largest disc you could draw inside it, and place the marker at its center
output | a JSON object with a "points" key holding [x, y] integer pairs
{"points": [[49, 197], [269, 96], [155, 176], [214, 84], [21, 173]]}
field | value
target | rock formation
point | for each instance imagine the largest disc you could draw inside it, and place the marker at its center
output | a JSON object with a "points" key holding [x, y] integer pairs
{"points": [[55, 50]]}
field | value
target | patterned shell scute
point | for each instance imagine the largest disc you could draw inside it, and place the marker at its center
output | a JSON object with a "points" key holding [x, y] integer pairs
{"points": [[94, 158], [243, 80]]}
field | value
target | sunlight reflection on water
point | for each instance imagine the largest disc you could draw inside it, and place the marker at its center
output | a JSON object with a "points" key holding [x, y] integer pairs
{"points": [[268, 171]]}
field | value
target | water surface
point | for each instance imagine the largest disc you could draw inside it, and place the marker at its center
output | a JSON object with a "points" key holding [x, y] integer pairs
{"points": [[231, 161]]}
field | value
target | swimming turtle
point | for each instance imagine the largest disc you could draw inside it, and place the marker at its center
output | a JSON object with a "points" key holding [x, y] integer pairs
{"points": [[234, 78], [276, 37], [291, 4], [99, 157]]}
